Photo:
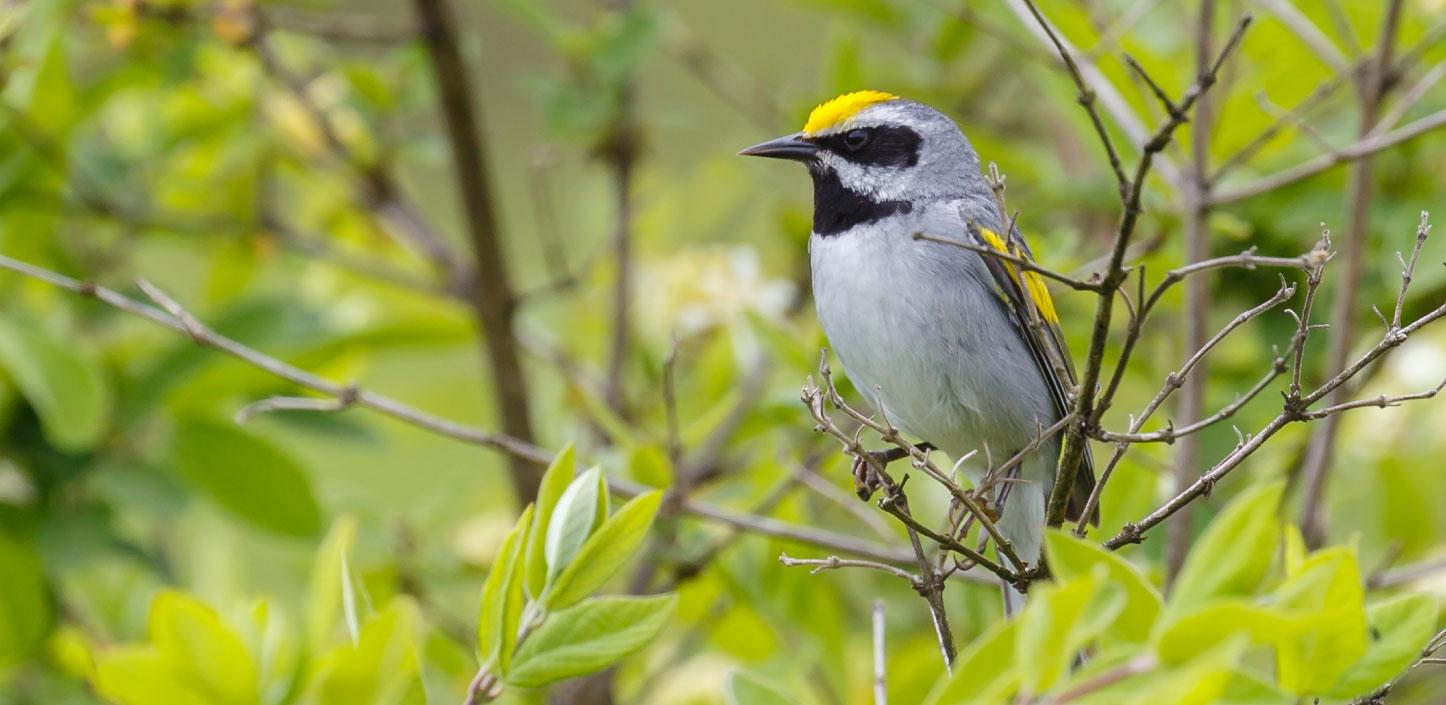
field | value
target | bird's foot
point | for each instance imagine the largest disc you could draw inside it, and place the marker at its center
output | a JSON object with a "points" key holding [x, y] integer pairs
{"points": [[866, 479]]}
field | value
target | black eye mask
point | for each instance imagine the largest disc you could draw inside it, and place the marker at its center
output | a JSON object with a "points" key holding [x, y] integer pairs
{"points": [[880, 145]]}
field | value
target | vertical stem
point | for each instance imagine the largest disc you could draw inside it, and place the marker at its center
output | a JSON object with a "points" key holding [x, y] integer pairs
{"points": [[881, 690], [622, 153], [1197, 292], [490, 296], [1319, 452]]}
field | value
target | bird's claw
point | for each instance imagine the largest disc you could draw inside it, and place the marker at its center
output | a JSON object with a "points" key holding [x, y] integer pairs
{"points": [[866, 481]]}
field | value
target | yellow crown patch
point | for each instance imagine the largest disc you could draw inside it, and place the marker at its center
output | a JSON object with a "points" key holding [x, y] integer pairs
{"points": [[833, 112]]}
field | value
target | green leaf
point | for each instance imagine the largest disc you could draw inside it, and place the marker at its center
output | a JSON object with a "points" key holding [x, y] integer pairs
{"points": [[25, 609], [554, 483], [1071, 557], [1231, 557], [651, 466], [380, 668], [1058, 620], [70, 392], [494, 616], [52, 107], [248, 476], [743, 688], [588, 637], [605, 552], [203, 651], [514, 608], [1215, 624], [574, 518], [328, 578], [1399, 628], [138, 675], [1201, 681], [1328, 597], [1246, 688], [985, 671]]}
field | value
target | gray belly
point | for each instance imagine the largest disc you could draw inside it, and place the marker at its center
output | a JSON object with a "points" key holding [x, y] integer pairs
{"points": [[922, 339]]}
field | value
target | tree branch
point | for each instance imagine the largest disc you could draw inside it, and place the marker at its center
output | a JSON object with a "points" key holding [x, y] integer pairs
{"points": [[1318, 452], [1363, 148], [1085, 411], [387, 406], [491, 296]]}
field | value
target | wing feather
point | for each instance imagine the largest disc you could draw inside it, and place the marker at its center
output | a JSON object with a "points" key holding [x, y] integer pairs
{"points": [[1037, 321]]}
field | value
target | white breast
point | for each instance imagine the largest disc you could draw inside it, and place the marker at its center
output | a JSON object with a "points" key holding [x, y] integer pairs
{"points": [[922, 340]]}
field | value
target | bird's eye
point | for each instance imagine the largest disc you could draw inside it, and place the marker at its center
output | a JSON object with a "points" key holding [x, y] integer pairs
{"points": [[856, 139]]}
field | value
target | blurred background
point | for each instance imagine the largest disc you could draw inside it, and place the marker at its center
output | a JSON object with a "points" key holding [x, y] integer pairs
{"points": [[285, 170]]}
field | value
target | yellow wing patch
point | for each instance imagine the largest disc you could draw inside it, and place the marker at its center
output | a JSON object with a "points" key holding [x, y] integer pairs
{"points": [[833, 112], [1033, 283]]}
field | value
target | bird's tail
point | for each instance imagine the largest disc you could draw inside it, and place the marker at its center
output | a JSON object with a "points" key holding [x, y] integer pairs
{"points": [[1022, 522]]}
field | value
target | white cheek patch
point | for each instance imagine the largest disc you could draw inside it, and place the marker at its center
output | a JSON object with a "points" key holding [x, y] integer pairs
{"points": [[880, 183]]}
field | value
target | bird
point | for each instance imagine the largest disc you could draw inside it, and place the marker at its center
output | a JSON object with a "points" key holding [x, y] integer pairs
{"points": [[957, 348]]}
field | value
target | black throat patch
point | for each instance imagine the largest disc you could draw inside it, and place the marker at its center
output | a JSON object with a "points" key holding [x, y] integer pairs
{"points": [[837, 208]]}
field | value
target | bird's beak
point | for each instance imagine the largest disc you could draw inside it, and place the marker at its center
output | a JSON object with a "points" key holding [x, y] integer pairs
{"points": [[792, 146]]}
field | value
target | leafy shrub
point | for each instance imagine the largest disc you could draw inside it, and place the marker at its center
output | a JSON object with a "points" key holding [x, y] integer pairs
{"points": [[538, 623]]}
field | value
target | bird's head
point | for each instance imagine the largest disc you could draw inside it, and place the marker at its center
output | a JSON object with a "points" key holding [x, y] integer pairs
{"points": [[881, 147]]}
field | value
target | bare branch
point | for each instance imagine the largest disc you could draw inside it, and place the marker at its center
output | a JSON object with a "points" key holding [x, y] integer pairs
{"points": [[1296, 409], [1291, 117], [1409, 99], [1173, 382], [266, 406], [835, 563], [881, 690], [387, 406], [1307, 33], [1407, 573], [814, 397], [491, 295], [1085, 411], [1365, 147], [340, 27], [1360, 187], [1378, 697], [1086, 96], [1381, 401], [1021, 262], [1408, 268], [1170, 108]]}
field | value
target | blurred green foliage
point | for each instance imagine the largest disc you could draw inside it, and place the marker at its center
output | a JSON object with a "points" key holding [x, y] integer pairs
{"points": [[147, 138]]}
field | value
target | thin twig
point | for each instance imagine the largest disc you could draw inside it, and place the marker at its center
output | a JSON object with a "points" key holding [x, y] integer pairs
{"points": [[1434, 644], [1191, 402], [1363, 148], [1409, 99], [274, 404], [1407, 573], [1307, 32], [815, 397], [206, 337], [1319, 450], [881, 689], [1085, 411], [835, 563], [1086, 97], [1022, 262], [1246, 260], [1296, 409], [1172, 382]]}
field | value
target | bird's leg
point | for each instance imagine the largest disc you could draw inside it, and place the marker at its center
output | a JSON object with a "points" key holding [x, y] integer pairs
{"points": [[866, 481]]}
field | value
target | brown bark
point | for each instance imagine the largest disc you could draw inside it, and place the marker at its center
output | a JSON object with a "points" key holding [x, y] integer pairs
{"points": [[489, 293]]}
